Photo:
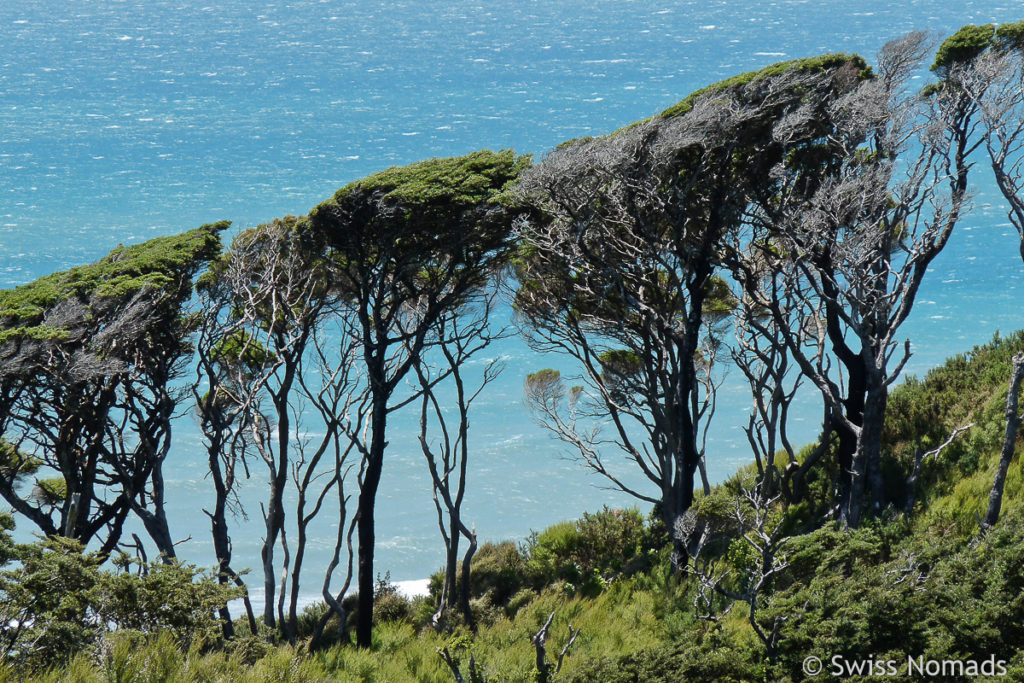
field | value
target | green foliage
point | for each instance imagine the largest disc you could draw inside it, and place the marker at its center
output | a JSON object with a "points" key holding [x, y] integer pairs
{"points": [[468, 180], [614, 541], [130, 657], [499, 571], [8, 549], [309, 617], [716, 509], [46, 603], [881, 593], [174, 599], [56, 601], [388, 603], [1010, 36], [14, 463], [719, 301], [242, 347], [620, 362], [164, 263], [543, 377], [51, 491], [710, 658], [922, 413], [963, 46], [810, 64], [446, 214], [574, 558]]}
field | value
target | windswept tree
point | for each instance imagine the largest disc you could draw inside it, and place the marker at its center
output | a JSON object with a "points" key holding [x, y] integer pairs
{"points": [[762, 357], [408, 245], [618, 265], [225, 364], [461, 333], [89, 360], [983, 66], [855, 244], [276, 362]]}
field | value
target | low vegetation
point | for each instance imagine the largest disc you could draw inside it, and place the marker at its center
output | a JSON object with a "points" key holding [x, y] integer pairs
{"points": [[927, 584]]}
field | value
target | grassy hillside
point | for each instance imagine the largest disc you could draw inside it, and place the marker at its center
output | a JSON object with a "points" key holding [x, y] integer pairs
{"points": [[924, 585]]}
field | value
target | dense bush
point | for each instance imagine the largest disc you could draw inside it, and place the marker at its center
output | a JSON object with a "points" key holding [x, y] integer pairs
{"points": [[56, 601], [969, 388], [883, 593], [179, 600], [389, 604], [48, 603], [595, 548], [499, 571], [578, 556]]}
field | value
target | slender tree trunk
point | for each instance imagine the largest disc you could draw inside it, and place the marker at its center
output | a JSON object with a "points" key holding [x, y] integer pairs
{"points": [[705, 484], [278, 480], [687, 459], [451, 566], [851, 471], [273, 523], [1013, 419], [155, 520], [156, 527], [293, 599], [283, 625], [464, 591], [366, 531], [222, 542], [219, 533]]}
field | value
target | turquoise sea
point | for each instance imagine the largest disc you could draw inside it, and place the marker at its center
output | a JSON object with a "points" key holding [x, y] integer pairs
{"points": [[121, 120]]}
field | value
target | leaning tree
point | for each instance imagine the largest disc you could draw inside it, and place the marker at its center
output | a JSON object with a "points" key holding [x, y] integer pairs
{"points": [[88, 363], [276, 387], [983, 67], [408, 244], [855, 245], [618, 263], [461, 333]]}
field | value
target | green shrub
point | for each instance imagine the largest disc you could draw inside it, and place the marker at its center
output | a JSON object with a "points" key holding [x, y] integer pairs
{"points": [[388, 603], [518, 601], [586, 553], [553, 553], [47, 603], [179, 600], [56, 601], [499, 571]]}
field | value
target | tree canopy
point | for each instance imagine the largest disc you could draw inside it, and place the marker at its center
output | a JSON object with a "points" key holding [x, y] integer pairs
{"points": [[86, 359], [410, 244], [619, 254]]}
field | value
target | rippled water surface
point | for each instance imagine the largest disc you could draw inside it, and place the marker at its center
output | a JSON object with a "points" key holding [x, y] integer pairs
{"points": [[120, 121]]}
